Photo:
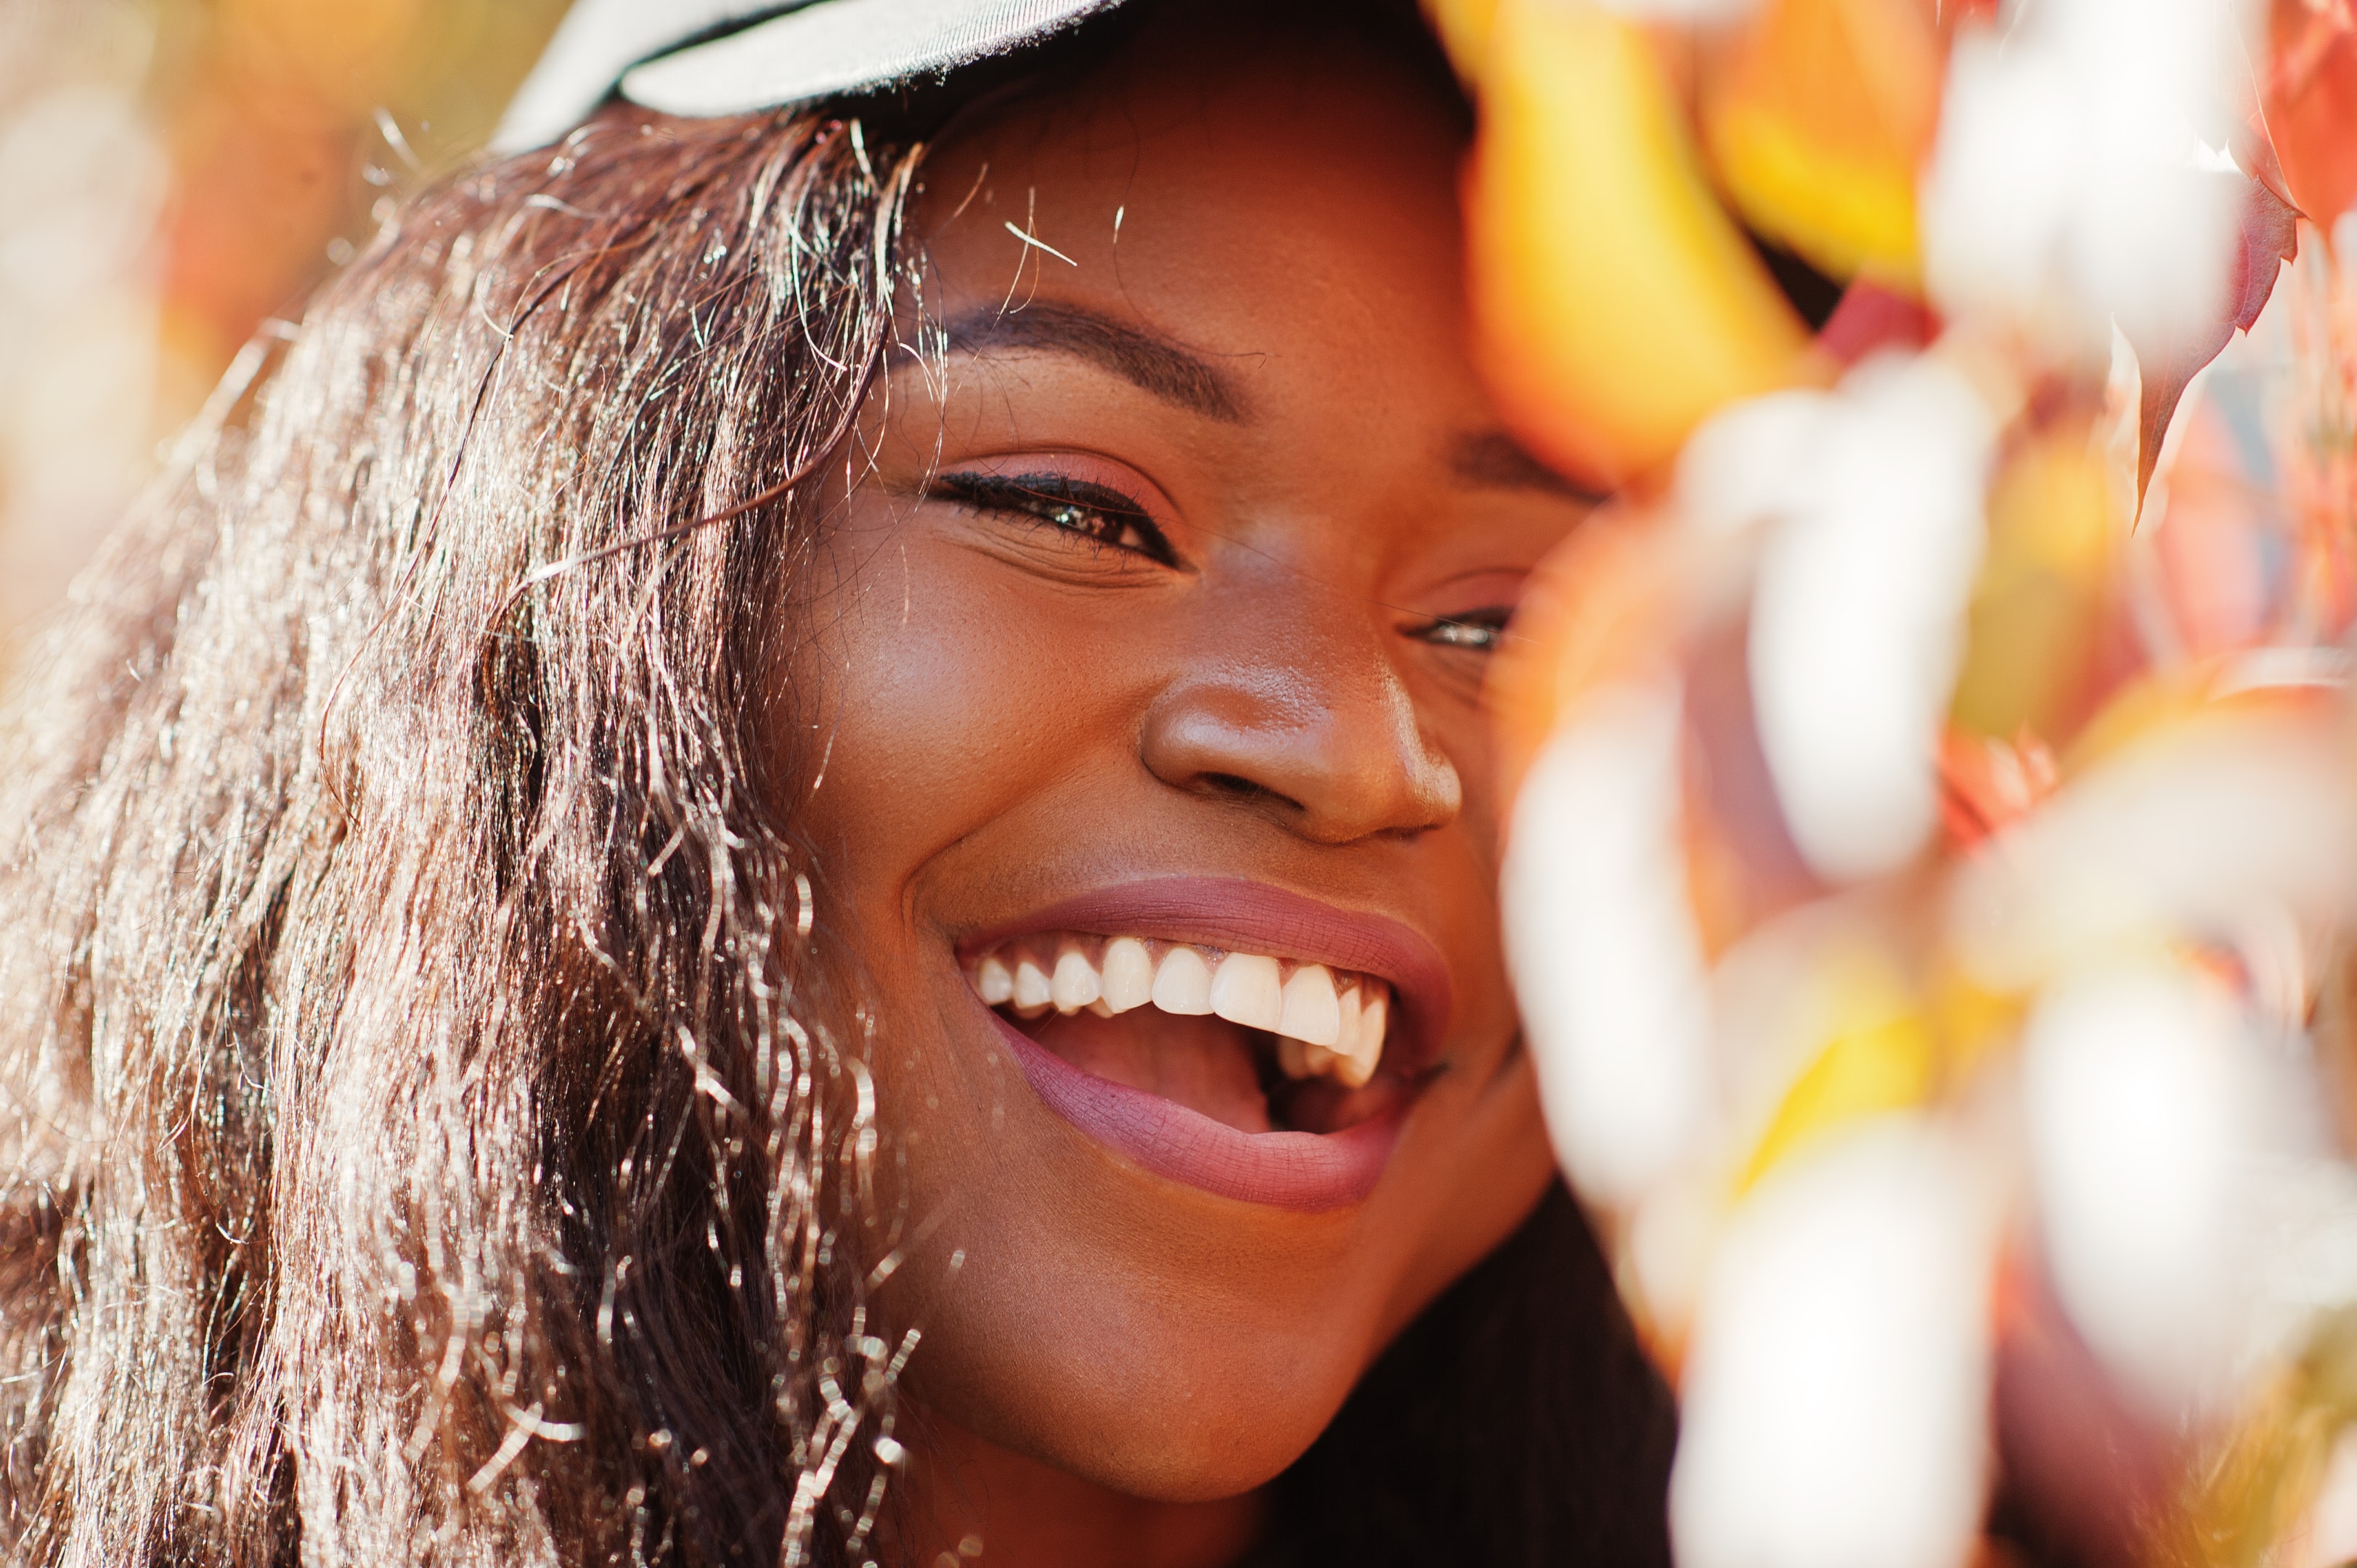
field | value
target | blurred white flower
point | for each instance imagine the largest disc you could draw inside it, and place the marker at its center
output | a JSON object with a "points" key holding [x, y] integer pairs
{"points": [[1605, 956], [1836, 1395], [2069, 187], [1667, 1244], [2210, 829], [1751, 462], [1857, 616], [2141, 1105]]}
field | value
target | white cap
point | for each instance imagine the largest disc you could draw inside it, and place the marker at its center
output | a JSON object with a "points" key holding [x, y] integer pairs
{"points": [[760, 54]]}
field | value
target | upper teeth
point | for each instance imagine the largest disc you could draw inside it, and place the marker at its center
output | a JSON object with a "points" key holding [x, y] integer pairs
{"points": [[1324, 1022]]}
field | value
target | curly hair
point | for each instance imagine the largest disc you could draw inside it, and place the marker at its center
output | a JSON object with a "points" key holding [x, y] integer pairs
{"points": [[426, 1133]]}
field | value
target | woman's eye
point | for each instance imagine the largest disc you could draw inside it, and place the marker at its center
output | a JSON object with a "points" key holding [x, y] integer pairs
{"points": [[1073, 506], [1479, 632]]}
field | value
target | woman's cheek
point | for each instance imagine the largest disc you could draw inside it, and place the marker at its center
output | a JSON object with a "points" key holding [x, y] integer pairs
{"points": [[939, 695]]}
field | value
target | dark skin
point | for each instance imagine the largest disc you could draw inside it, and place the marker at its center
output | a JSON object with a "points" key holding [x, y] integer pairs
{"points": [[1190, 566]]}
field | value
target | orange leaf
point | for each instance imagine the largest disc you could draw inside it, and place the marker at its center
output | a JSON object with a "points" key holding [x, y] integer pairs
{"points": [[1616, 305], [1818, 117], [2310, 96]]}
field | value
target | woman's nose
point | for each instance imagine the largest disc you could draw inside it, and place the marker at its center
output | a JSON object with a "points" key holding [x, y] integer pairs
{"points": [[1317, 730]]}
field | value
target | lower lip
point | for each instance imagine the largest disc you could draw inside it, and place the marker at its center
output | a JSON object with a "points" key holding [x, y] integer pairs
{"points": [[1309, 1172]]}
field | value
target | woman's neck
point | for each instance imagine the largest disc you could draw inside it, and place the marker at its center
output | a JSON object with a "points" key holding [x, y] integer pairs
{"points": [[969, 1502]]}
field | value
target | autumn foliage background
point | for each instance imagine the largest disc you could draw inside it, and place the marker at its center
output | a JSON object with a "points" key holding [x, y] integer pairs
{"points": [[173, 174]]}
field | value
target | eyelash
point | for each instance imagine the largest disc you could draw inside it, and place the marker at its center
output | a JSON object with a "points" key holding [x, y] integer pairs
{"points": [[1090, 512], [1476, 631], [1059, 500]]}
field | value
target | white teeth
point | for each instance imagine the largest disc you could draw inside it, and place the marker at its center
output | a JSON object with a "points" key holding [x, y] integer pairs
{"points": [[1323, 1023], [1129, 975], [1033, 993], [994, 981], [1183, 984], [1311, 1013], [1245, 991], [1075, 983], [1361, 1050], [1354, 1072]]}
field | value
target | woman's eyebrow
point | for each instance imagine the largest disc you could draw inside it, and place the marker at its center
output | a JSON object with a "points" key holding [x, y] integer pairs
{"points": [[1493, 460], [1168, 370]]}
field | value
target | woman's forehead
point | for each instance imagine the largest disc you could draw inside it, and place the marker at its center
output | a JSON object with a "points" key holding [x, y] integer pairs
{"points": [[1192, 81], [1178, 162]]}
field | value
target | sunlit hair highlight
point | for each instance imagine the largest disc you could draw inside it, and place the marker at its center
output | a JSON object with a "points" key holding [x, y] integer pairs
{"points": [[428, 1132]]}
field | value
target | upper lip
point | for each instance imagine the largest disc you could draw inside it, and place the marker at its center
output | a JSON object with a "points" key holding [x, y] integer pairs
{"points": [[1240, 916]]}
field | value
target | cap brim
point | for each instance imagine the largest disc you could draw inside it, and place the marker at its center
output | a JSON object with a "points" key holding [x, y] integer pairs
{"points": [[774, 57]]}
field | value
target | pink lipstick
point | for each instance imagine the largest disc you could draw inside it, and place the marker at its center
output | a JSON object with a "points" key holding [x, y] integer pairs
{"points": [[1273, 967]]}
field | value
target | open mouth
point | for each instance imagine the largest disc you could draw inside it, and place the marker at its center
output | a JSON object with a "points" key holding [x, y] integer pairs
{"points": [[1199, 1035], [1248, 1039]]}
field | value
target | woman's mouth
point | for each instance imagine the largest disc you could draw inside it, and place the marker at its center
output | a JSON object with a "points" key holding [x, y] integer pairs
{"points": [[1227, 1034], [1234, 1065]]}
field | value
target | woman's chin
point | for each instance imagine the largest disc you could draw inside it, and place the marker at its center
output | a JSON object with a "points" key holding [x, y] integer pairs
{"points": [[1160, 1432]]}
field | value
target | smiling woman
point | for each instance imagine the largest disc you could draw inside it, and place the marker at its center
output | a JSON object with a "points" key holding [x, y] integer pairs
{"points": [[788, 853]]}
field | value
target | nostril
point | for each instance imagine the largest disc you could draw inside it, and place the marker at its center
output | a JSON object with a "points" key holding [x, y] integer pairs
{"points": [[1238, 787]]}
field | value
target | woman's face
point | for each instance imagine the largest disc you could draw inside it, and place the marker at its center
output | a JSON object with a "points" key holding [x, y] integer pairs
{"points": [[1151, 648]]}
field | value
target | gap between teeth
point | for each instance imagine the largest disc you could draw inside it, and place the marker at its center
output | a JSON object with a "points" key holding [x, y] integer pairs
{"points": [[1324, 1022]]}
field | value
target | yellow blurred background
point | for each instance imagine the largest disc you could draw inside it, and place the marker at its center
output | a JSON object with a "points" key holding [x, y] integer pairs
{"points": [[173, 174]]}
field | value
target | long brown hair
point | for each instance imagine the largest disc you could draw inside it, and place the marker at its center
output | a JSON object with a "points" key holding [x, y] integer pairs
{"points": [[423, 1117]]}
